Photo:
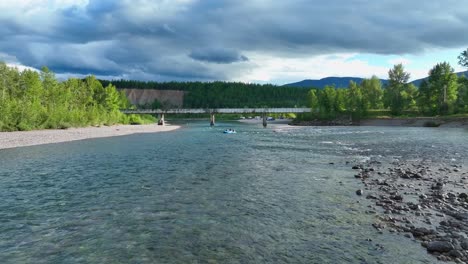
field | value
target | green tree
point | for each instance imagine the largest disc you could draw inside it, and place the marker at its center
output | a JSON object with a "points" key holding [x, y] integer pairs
{"points": [[394, 93], [31, 100], [462, 96], [463, 58], [313, 101], [439, 94], [327, 102], [372, 92], [340, 101], [354, 101]]}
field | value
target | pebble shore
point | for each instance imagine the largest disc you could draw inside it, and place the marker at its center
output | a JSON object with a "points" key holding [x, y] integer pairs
{"points": [[39, 137], [422, 201]]}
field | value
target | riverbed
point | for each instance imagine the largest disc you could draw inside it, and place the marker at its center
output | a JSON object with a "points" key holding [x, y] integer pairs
{"points": [[276, 195]]}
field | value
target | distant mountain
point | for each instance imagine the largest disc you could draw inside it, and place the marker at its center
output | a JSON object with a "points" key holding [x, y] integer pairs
{"points": [[343, 82], [419, 81], [339, 82]]}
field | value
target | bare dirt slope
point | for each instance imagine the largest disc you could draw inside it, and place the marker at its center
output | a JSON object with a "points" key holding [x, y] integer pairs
{"points": [[147, 96]]}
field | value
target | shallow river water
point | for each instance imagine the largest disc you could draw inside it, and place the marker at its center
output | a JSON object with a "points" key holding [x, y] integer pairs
{"points": [[197, 195]]}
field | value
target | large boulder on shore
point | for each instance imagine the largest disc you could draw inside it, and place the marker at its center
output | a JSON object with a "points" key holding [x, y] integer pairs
{"points": [[440, 246]]}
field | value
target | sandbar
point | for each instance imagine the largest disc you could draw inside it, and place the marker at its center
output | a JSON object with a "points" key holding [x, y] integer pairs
{"points": [[40, 137]]}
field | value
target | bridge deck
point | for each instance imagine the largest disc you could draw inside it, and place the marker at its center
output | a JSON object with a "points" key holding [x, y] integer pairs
{"points": [[218, 111]]}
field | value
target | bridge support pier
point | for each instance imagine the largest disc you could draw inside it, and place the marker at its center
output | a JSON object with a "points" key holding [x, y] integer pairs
{"points": [[161, 120], [212, 119], [264, 120]]}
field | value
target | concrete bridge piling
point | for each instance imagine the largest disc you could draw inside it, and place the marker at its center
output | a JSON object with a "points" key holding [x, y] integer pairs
{"points": [[161, 119], [212, 119]]}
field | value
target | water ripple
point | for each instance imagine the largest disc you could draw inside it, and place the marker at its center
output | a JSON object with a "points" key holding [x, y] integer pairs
{"points": [[197, 195]]}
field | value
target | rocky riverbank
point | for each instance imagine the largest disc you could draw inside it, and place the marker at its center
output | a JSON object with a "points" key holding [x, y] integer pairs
{"points": [[39, 137], [421, 201], [461, 122]]}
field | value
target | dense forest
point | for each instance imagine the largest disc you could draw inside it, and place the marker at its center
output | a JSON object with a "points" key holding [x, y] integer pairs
{"points": [[238, 95], [31, 100], [225, 94]]}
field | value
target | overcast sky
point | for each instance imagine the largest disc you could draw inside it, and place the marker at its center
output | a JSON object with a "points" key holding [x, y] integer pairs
{"points": [[264, 41]]}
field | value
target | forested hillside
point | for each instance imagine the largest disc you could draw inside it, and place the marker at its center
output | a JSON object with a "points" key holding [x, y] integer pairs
{"points": [[225, 94], [339, 82], [342, 82], [236, 95]]}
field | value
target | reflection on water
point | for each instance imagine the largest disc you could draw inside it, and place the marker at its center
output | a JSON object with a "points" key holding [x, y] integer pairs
{"points": [[198, 195]]}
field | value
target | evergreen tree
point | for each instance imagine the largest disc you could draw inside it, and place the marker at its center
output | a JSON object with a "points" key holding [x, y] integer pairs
{"points": [[463, 58]]}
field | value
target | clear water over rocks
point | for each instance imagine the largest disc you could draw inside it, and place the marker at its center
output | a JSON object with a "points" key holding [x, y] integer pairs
{"points": [[197, 195]]}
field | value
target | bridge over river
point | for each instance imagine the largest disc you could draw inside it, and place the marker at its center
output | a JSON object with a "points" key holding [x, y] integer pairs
{"points": [[212, 111]]}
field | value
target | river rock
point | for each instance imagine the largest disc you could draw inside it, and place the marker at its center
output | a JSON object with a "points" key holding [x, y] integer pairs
{"points": [[437, 186], [440, 246], [464, 244], [438, 202], [397, 197], [460, 216], [422, 231], [456, 253]]}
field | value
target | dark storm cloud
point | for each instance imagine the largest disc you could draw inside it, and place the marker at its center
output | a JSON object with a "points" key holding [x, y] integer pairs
{"points": [[206, 40], [217, 55]]}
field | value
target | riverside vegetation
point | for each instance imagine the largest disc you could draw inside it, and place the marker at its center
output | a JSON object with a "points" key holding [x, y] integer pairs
{"points": [[31, 100], [443, 93]]}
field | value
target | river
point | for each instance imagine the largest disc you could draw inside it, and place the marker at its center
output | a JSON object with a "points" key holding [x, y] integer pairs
{"points": [[197, 195]]}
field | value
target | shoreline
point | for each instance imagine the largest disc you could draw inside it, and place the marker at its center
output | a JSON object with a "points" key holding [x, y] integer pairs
{"points": [[18, 139], [271, 122], [446, 122], [424, 201]]}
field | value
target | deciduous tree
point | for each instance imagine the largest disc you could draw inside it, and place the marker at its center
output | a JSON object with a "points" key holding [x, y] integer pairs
{"points": [[439, 93], [372, 92], [394, 93]]}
